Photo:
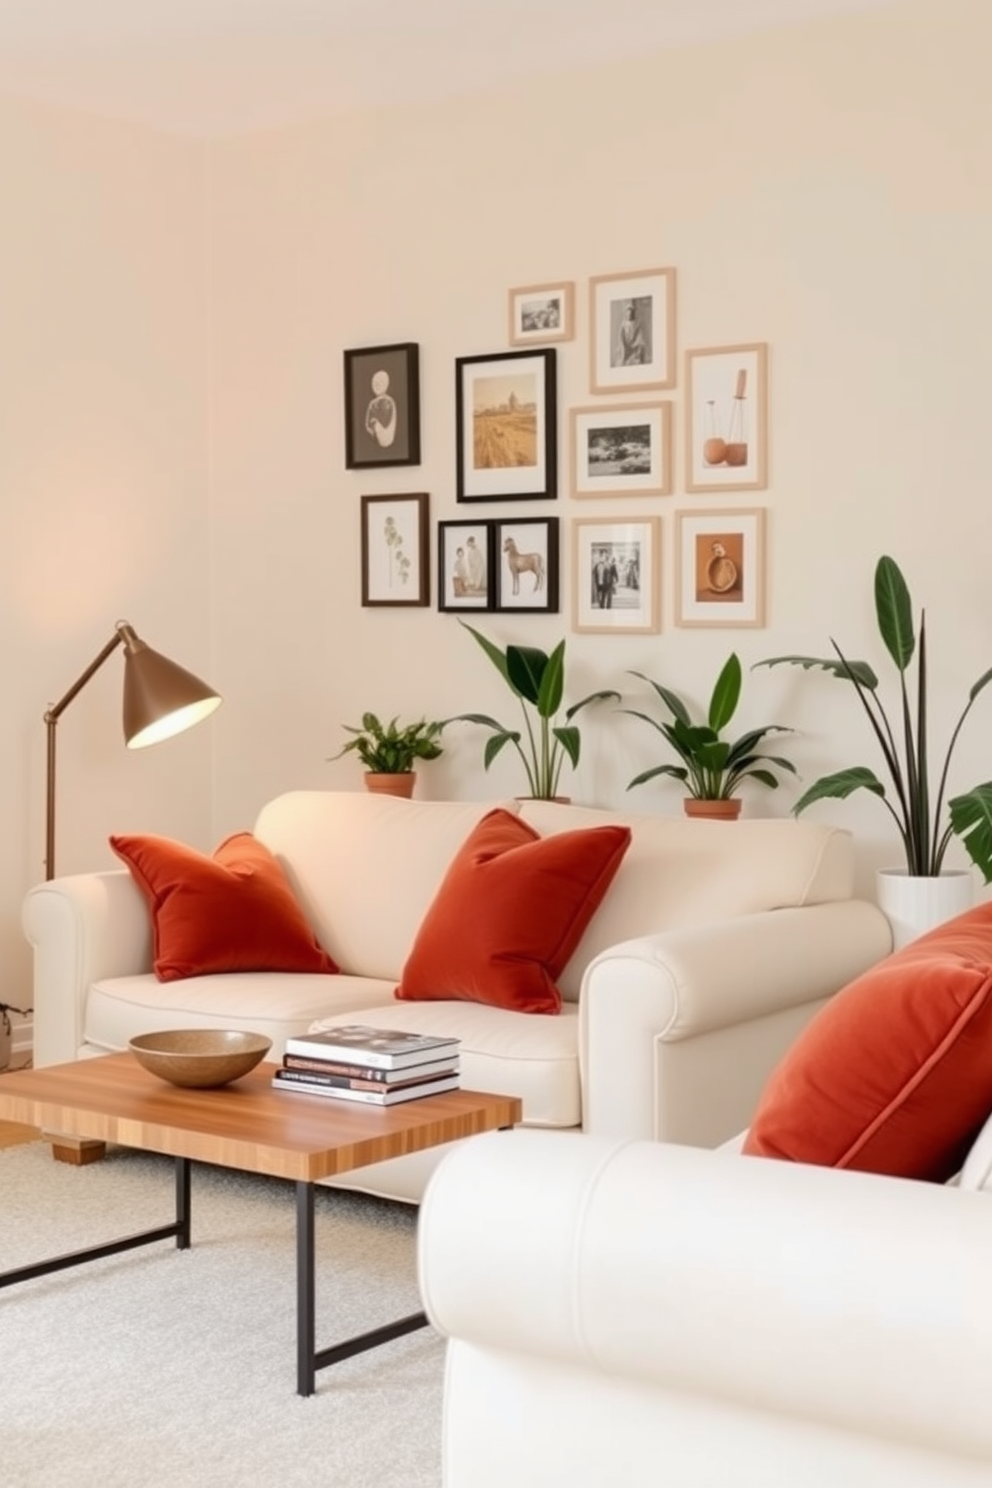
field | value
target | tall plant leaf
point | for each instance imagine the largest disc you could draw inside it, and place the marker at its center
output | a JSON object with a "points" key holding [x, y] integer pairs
{"points": [[726, 693], [525, 669], [894, 612]]}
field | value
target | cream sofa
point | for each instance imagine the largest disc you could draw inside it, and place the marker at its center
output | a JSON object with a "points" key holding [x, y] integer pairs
{"points": [[714, 946], [629, 1314]]}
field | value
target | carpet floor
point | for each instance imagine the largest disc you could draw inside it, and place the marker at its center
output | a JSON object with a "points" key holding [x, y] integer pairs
{"points": [[159, 1366]]}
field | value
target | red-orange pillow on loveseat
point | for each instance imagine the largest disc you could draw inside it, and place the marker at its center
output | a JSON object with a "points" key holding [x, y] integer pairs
{"points": [[894, 1074], [234, 911], [510, 911]]}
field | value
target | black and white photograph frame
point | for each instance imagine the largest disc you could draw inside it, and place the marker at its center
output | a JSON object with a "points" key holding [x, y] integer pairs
{"points": [[726, 418], [465, 568], [525, 555], [632, 330], [616, 575], [382, 406], [506, 426], [720, 568], [622, 451], [396, 550], [541, 313]]}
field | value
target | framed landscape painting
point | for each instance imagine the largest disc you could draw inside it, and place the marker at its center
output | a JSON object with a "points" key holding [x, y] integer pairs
{"points": [[615, 573], [382, 406], [395, 550], [526, 557], [726, 432], [632, 330], [505, 426], [542, 313], [622, 451], [720, 568], [465, 565]]}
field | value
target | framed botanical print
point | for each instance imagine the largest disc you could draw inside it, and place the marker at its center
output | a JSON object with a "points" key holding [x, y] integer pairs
{"points": [[726, 429], [720, 568], [526, 555], [542, 313], [622, 451], [632, 330], [505, 426], [465, 568], [382, 406], [615, 574], [395, 550]]}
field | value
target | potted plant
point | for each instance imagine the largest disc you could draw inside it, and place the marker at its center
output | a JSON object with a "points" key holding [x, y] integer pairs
{"points": [[389, 751], [537, 680], [712, 768], [917, 811]]}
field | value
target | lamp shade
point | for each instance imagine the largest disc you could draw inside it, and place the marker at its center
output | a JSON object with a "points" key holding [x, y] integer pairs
{"points": [[160, 697]]}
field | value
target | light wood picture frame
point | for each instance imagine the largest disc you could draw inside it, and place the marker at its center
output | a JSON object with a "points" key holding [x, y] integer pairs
{"points": [[720, 568], [726, 418], [621, 451], [541, 313], [506, 426], [632, 330], [616, 575], [395, 550]]}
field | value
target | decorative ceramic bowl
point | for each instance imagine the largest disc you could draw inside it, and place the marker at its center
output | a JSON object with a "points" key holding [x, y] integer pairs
{"points": [[200, 1057]]}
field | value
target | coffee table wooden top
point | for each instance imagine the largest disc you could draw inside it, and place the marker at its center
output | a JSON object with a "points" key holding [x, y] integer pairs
{"points": [[245, 1125]]}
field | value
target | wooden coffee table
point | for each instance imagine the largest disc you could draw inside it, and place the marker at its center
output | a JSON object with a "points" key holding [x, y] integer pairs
{"points": [[246, 1125]]}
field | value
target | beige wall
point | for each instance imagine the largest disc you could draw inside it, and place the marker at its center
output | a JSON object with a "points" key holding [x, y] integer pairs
{"points": [[823, 188], [102, 479]]}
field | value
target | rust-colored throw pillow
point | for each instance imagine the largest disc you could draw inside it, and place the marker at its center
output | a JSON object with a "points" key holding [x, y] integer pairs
{"points": [[510, 911], [894, 1074], [234, 911]]}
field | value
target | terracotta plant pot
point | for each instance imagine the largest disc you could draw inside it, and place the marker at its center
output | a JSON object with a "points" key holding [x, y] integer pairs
{"points": [[715, 810], [391, 785]]}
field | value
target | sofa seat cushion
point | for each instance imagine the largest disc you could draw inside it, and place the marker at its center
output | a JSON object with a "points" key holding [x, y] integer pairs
{"points": [[269, 1002], [534, 1057]]}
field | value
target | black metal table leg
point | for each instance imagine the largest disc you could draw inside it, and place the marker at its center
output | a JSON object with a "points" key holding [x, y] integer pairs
{"points": [[308, 1357], [180, 1229]]}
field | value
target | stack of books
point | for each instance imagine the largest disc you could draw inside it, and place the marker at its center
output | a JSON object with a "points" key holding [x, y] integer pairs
{"points": [[380, 1066]]}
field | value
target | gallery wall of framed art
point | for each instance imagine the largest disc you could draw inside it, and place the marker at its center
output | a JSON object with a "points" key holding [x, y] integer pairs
{"points": [[511, 443]]}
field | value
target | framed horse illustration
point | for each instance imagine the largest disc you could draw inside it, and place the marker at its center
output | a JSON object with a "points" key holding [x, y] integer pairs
{"points": [[526, 559]]}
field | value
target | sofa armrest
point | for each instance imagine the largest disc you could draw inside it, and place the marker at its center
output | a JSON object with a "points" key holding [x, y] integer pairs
{"points": [[679, 1031], [840, 1298], [82, 927]]}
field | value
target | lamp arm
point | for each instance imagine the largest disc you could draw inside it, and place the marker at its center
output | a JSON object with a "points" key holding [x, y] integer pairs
{"points": [[122, 633]]}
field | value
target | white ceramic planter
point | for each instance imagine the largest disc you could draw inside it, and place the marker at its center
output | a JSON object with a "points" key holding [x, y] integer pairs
{"points": [[914, 905]]}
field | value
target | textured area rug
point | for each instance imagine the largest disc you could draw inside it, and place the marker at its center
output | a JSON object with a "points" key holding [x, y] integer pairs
{"points": [[160, 1366]]}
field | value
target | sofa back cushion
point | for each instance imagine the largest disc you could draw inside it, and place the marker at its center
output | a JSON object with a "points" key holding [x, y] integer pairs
{"points": [[679, 872], [366, 868]]}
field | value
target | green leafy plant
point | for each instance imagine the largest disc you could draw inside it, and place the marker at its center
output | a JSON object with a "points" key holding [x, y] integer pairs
{"points": [[925, 835], [388, 749], [712, 768], [538, 681]]}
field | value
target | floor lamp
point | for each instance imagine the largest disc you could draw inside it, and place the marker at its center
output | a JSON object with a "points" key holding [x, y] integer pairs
{"points": [[160, 699]]}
